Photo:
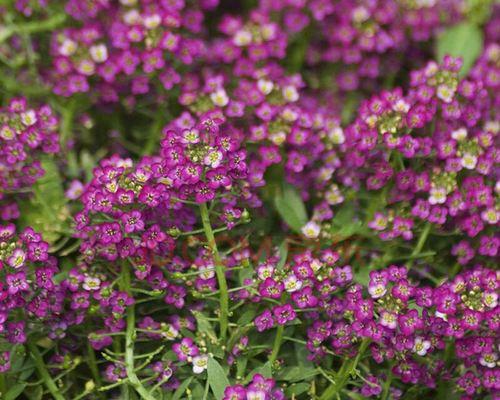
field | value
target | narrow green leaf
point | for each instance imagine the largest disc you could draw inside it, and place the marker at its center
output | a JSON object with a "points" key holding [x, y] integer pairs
{"points": [[204, 325], [463, 40], [297, 389], [15, 391], [291, 208], [217, 378], [182, 388], [46, 210], [283, 252], [265, 370], [247, 317]]}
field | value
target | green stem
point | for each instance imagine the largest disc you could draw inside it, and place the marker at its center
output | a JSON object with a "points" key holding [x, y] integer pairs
{"points": [[219, 270], [92, 361], [130, 336], [420, 244], [422, 239], [277, 343], [43, 373], [342, 376], [387, 385]]}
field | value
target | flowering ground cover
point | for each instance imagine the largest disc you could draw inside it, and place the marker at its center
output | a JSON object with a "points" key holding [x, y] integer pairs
{"points": [[249, 200]]}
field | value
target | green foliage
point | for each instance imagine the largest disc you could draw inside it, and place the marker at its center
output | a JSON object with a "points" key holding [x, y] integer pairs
{"points": [[290, 207], [217, 378], [463, 40], [46, 210]]}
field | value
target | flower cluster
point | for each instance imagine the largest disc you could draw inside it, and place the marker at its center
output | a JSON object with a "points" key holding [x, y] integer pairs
{"points": [[29, 293], [26, 135], [430, 154], [367, 40], [403, 323], [120, 50], [249, 200], [259, 388]]}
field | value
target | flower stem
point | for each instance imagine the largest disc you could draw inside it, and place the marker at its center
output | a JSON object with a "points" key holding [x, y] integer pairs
{"points": [[44, 373], [342, 376], [277, 343], [219, 270], [420, 244], [93, 367], [130, 335], [387, 386]]}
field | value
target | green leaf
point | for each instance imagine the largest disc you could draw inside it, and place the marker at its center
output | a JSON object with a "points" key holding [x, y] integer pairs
{"points": [[217, 378], [204, 325], [297, 389], [241, 365], [283, 252], [463, 40], [46, 210], [15, 391], [291, 208], [296, 374], [182, 388], [247, 317], [345, 223], [265, 370]]}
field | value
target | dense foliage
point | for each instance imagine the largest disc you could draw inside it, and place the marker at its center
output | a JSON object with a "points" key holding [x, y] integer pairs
{"points": [[249, 200]]}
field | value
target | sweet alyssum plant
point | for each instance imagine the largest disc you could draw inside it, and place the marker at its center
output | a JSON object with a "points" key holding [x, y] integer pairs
{"points": [[255, 200]]}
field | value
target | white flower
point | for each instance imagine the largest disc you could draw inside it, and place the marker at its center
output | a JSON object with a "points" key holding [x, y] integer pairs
{"points": [[256, 394], [265, 271], [437, 195], [169, 332], [268, 31], [459, 134], [421, 346], [316, 264], [91, 283], [377, 291], [265, 86], [490, 299], [489, 360], [242, 38], [17, 259], [401, 106], [469, 161], [333, 195], [28, 118], [336, 135], [7, 133], [200, 363], [311, 230], [278, 138], [86, 67], [445, 93], [132, 17], [490, 215], [492, 126], [219, 98], [206, 271], [213, 158], [152, 21], [289, 115], [68, 47], [360, 14], [290, 93], [292, 283], [388, 320], [99, 53]]}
